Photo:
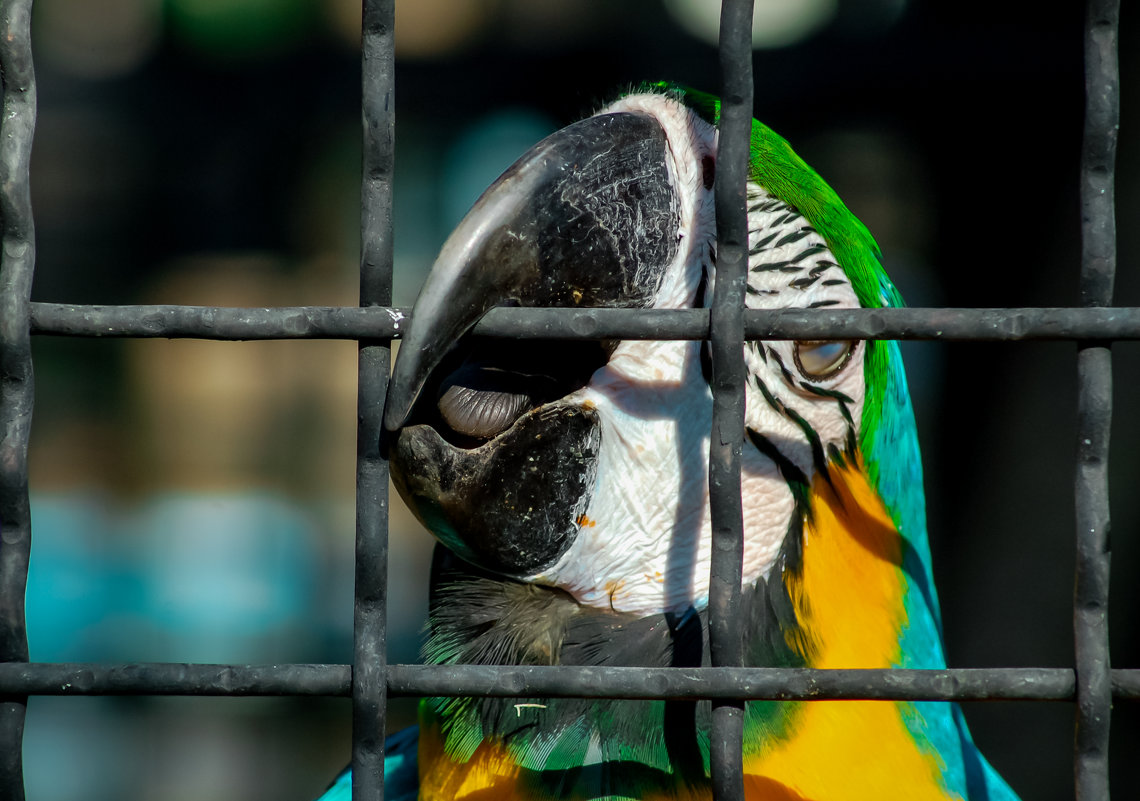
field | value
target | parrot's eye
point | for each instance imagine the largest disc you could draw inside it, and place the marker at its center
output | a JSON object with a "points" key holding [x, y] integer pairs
{"points": [[820, 360]]}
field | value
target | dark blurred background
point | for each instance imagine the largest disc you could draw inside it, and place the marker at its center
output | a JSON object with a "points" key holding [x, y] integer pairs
{"points": [[193, 501]]}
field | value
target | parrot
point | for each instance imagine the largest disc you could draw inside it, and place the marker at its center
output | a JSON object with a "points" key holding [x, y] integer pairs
{"points": [[566, 483]]}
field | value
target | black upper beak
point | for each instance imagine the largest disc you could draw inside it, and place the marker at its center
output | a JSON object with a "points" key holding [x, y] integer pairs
{"points": [[587, 217]]}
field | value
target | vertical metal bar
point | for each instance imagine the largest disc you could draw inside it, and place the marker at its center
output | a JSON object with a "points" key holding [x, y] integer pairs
{"points": [[16, 385], [1094, 404], [369, 665], [727, 350]]}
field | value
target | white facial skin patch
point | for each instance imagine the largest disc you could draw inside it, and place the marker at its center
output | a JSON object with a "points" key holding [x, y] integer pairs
{"points": [[644, 543]]}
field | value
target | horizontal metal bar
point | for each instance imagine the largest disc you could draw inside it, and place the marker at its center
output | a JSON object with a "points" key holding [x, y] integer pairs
{"points": [[218, 322], [172, 678], [337, 322], [17, 386], [1056, 684], [787, 684]]}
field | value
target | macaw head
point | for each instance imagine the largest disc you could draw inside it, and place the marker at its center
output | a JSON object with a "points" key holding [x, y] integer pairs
{"points": [[574, 477], [583, 465]]}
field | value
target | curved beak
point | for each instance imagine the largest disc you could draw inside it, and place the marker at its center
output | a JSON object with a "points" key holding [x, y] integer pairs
{"points": [[587, 217]]}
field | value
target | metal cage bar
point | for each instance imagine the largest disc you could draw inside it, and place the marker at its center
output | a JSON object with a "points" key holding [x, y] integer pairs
{"points": [[329, 322], [368, 681], [1094, 405], [369, 661], [16, 385], [754, 684], [726, 349]]}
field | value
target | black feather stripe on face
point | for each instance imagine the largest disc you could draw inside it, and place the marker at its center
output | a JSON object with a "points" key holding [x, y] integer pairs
{"points": [[819, 458]]}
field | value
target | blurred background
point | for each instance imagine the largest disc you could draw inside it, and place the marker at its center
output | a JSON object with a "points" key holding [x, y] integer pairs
{"points": [[193, 501]]}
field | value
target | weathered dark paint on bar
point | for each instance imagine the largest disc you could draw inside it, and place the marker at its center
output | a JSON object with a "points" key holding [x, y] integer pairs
{"points": [[17, 390], [369, 674], [338, 322], [726, 347], [778, 684], [1094, 404]]}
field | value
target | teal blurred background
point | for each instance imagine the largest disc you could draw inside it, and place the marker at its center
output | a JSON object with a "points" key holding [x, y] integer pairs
{"points": [[193, 501]]}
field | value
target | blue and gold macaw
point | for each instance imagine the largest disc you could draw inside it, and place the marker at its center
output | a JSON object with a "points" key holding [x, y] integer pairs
{"points": [[567, 484]]}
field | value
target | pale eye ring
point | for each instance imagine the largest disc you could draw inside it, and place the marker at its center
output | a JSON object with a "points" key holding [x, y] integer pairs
{"points": [[819, 360]]}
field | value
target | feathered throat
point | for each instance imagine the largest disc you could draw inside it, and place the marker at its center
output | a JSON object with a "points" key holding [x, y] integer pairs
{"points": [[842, 551]]}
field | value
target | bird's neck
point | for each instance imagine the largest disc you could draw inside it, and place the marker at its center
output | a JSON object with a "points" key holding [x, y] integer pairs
{"points": [[836, 598]]}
